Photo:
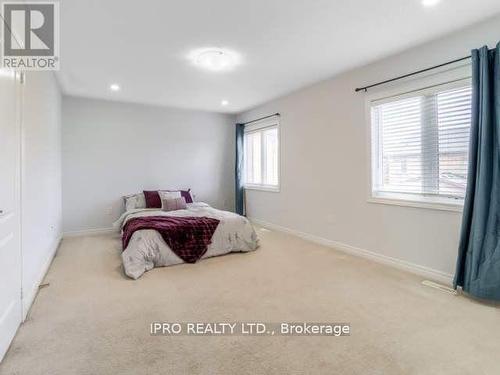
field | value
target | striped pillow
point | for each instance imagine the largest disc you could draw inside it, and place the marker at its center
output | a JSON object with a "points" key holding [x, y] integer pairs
{"points": [[173, 204]]}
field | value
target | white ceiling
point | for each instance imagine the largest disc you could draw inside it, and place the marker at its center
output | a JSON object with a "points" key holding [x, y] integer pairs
{"points": [[285, 44]]}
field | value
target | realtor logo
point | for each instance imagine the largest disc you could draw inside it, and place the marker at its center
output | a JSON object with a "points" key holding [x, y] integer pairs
{"points": [[30, 35]]}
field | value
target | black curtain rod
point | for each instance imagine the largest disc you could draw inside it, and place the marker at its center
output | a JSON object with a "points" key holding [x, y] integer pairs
{"points": [[411, 74], [262, 118]]}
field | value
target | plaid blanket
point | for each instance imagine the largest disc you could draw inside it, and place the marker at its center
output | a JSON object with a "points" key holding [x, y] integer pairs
{"points": [[188, 237]]}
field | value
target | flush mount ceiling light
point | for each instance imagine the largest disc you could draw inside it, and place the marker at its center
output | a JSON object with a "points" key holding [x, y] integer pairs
{"points": [[114, 87], [224, 102], [430, 3], [214, 59]]}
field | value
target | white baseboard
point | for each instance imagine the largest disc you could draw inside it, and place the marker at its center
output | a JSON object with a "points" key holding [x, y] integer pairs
{"points": [[29, 296], [89, 232], [423, 271]]}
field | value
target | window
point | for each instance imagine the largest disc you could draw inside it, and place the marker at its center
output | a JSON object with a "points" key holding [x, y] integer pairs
{"points": [[420, 144], [261, 155]]}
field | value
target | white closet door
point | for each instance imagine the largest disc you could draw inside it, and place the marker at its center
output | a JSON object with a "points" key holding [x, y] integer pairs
{"points": [[10, 243]]}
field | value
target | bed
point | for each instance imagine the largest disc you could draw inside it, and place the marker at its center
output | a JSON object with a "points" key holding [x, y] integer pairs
{"points": [[145, 249]]}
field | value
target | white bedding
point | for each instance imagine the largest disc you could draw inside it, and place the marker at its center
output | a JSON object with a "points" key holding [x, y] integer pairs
{"points": [[147, 249]]}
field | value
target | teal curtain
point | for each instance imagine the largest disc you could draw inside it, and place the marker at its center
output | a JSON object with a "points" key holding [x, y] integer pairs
{"points": [[238, 172], [478, 264]]}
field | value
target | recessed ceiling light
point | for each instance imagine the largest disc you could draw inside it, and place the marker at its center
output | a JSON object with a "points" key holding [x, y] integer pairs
{"points": [[6, 72], [214, 59], [430, 3], [224, 102], [114, 87]]}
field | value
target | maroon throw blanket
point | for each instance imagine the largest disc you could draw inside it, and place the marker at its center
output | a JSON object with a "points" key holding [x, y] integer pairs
{"points": [[188, 237]]}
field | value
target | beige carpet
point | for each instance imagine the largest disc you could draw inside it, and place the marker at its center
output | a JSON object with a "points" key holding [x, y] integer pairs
{"points": [[93, 320]]}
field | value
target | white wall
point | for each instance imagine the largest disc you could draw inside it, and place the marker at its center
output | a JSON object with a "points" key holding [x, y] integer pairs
{"points": [[112, 149], [41, 178], [325, 160]]}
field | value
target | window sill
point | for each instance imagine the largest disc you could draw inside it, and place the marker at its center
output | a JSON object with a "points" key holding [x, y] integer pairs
{"points": [[271, 189], [432, 205]]}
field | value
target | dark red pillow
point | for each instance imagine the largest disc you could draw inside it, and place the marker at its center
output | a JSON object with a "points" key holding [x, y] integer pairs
{"points": [[153, 199], [187, 195]]}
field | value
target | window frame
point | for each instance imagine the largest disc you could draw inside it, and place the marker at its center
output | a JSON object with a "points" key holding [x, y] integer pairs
{"points": [[260, 126], [449, 78]]}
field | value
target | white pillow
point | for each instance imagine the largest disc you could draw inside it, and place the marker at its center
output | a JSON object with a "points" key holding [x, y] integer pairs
{"points": [[135, 201], [168, 195]]}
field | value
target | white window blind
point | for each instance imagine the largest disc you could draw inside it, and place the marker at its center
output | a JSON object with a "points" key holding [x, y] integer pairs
{"points": [[420, 144], [261, 155]]}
